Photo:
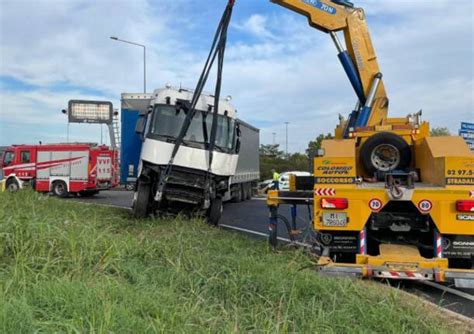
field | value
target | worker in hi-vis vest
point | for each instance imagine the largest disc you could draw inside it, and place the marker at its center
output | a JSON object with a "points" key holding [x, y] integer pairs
{"points": [[276, 179]]}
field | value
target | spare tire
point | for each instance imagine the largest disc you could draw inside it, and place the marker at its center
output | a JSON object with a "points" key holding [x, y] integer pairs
{"points": [[384, 152]]}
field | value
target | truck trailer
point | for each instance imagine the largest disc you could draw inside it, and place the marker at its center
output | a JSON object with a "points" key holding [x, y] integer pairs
{"points": [[150, 126], [62, 169]]}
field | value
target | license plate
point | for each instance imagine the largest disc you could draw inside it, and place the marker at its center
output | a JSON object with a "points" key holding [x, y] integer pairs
{"points": [[337, 219]]}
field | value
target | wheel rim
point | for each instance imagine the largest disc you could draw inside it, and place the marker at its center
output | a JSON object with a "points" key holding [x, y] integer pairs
{"points": [[385, 157], [12, 187], [60, 189]]}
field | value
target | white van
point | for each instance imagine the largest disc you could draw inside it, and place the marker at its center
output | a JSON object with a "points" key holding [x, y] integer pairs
{"points": [[285, 178]]}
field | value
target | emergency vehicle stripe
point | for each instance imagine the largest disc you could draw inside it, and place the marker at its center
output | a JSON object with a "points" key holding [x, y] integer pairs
{"points": [[21, 169], [438, 244], [400, 274], [55, 163], [325, 191], [362, 242], [41, 165], [20, 166]]}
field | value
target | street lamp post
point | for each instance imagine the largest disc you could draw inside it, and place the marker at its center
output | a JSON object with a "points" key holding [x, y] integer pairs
{"points": [[65, 112], [274, 134], [286, 124], [144, 57]]}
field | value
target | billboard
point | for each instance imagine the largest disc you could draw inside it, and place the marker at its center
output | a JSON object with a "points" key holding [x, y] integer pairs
{"points": [[83, 111]]}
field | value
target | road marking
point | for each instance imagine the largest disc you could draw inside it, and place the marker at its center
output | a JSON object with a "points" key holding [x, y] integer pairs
{"points": [[450, 290], [263, 234], [244, 230], [458, 316]]}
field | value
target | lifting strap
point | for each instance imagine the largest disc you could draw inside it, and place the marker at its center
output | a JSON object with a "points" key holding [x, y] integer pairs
{"points": [[217, 51]]}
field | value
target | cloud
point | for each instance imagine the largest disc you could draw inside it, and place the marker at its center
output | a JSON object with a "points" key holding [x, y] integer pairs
{"points": [[255, 25], [277, 68]]}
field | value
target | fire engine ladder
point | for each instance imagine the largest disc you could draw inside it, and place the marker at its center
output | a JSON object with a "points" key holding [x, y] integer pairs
{"points": [[115, 131]]}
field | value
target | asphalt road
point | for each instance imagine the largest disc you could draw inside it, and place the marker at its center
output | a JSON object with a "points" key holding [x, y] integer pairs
{"points": [[251, 217]]}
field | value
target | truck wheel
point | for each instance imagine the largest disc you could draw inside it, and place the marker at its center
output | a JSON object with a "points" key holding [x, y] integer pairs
{"points": [[60, 189], [249, 191], [243, 192], [238, 194], [243, 188], [384, 152], [141, 204], [214, 212], [12, 186]]}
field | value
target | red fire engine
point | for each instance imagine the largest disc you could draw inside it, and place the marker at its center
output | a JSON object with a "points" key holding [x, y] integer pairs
{"points": [[61, 168]]}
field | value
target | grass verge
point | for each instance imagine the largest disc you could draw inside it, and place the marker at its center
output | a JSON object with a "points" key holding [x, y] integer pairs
{"points": [[70, 267]]}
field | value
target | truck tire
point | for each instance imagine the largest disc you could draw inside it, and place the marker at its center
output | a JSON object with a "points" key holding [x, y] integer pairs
{"points": [[60, 189], [214, 212], [384, 152], [249, 191], [12, 185], [141, 206], [243, 192], [238, 194]]}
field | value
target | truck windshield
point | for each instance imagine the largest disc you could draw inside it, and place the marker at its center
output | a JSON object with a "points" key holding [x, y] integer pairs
{"points": [[167, 121]]}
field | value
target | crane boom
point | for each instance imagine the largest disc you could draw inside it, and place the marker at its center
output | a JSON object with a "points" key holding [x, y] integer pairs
{"points": [[359, 59]]}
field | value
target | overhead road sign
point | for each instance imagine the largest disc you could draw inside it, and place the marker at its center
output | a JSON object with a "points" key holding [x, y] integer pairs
{"points": [[467, 126]]}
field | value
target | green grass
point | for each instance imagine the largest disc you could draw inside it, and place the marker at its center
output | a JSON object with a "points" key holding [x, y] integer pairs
{"points": [[70, 267]]}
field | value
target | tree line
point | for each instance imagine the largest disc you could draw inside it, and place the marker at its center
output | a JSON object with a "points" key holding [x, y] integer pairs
{"points": [[271, 157]]}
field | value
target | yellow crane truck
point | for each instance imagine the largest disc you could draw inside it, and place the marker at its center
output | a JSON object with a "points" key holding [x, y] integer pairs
{"points": [[387, 199]]}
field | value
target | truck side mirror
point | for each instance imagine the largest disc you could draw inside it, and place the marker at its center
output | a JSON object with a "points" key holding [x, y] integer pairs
{"points": [[237, 146], [144, 112], [140, 126]]}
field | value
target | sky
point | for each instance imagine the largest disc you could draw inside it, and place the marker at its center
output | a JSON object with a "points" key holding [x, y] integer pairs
{"points": [[277, 69]]}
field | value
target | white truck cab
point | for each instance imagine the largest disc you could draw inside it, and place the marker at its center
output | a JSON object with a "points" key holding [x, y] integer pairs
{"points": [[160, 123], [164, 123]]}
